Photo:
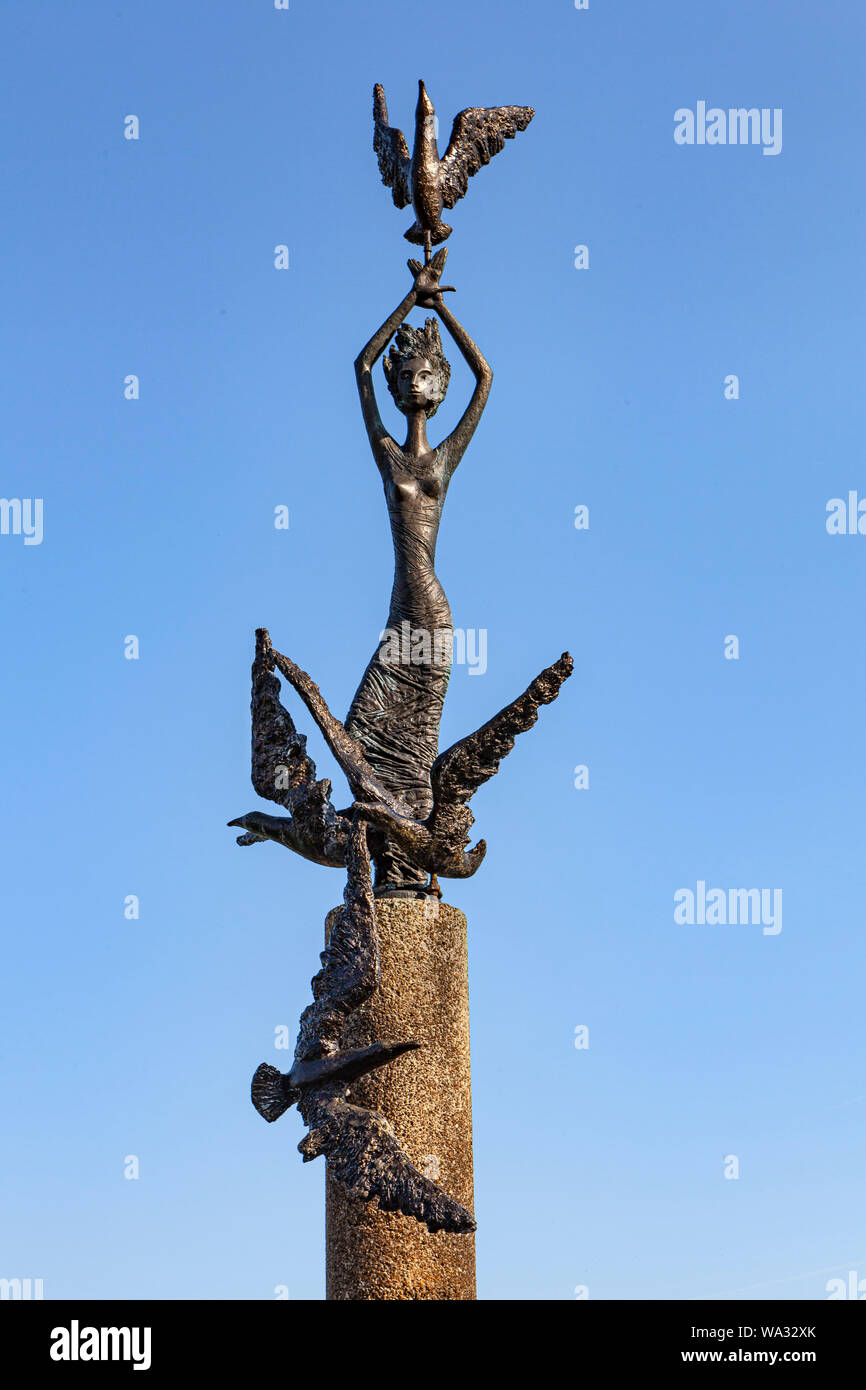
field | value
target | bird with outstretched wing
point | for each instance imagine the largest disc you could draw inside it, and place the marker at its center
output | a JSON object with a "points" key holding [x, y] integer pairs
{"points": [[421, 177], [437, 844], [283, 771], [363, 1152]]}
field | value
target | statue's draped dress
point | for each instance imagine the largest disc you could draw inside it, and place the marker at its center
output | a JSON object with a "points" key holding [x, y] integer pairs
{"points": [[398, 705]]}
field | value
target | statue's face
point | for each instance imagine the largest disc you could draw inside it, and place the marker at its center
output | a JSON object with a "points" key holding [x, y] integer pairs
{"points": [[417, 385]]}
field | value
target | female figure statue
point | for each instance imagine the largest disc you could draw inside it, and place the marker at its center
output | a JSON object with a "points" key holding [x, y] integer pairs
{"points": [[398, 705]]}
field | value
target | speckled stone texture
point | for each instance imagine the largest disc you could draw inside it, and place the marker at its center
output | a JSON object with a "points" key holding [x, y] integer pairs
{"points": [[424, 995]]}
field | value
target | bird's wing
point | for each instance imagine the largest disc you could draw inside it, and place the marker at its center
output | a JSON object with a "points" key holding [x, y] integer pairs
{"points": [[365, 1156], [391, 151], [477, 135], [350, 961], [438, 844], [458, 772], [349, 975], [363, 1152], [282, 771], [281, 766]]}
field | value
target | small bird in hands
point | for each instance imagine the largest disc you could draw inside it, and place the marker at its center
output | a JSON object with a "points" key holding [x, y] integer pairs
{"points": [[422, 178]]}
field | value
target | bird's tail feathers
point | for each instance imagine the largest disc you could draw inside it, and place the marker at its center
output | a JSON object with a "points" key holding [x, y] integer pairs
{"points": [[271, 1092], [418, 235]]}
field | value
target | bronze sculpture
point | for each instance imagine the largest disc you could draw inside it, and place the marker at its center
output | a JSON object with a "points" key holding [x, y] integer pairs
{"points": [[363, 1151], [396, 710], [410, 804], [422, 178]]}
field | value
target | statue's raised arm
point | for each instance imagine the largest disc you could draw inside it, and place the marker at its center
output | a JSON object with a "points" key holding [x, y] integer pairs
{"points": [[418, 384], [367, 359], [455, 445]]}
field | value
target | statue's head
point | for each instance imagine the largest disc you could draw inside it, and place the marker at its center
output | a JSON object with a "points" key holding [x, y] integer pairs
{"points": [[416, 370]]}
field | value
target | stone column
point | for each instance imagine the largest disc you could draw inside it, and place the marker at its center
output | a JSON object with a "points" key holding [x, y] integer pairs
{"points": [[424, 995]]}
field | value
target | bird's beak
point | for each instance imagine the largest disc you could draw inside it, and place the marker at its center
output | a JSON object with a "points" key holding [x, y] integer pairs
{"points": [[425, 105]]}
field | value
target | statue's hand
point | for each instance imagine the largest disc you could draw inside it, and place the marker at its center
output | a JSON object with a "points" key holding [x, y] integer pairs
{"points": [[428, 291]]}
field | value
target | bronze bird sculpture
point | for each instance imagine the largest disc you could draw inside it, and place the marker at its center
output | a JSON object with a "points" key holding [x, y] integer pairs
{"points": [[283, 771], [422, 178], [363, 1152]]}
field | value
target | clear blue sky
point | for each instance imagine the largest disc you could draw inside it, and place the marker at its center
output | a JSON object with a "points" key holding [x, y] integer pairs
{"points": [[601, 1167]]}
